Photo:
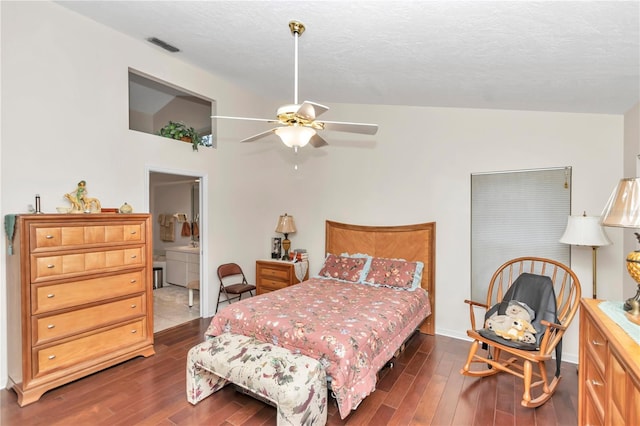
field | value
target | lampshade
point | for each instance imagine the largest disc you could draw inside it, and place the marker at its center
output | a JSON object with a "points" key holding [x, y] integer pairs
{"points": [[623, 207], [295, 135], [585, 231], [623, 210], [286, 225]]}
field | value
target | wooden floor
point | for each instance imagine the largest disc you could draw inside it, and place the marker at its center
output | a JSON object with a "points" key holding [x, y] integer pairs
{"points": [[423, 388]]}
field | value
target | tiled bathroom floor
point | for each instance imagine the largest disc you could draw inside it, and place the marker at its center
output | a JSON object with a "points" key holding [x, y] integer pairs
{"points": [[171, 307]]}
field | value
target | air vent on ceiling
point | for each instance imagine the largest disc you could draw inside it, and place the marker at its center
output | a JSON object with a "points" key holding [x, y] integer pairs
{"points": [[163, 44]]}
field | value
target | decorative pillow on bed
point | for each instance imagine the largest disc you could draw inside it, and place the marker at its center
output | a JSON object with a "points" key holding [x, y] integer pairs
{"points": [[344, 267], [395, 273]]}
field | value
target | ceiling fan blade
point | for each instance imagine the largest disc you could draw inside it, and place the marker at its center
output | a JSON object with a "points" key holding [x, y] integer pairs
{"points": [[267, 120], [340, 126], [311, 110], [316, 141], [258, 136]]}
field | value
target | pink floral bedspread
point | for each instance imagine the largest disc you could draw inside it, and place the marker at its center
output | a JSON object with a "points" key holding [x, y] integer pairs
{"points": [[353, 329]]}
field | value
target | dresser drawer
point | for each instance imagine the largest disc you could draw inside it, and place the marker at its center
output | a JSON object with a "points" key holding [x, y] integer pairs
{"points": [[591, 415], [43, 267], [267, 284], [55, 237], [275, 273], [596, 345], [75, 322], [113, 234], [86, 348], [594, 382], [46, 298], [52, 237]]}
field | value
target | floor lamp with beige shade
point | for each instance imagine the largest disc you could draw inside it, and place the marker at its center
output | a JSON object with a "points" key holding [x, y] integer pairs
{"points": [[586, 231]]}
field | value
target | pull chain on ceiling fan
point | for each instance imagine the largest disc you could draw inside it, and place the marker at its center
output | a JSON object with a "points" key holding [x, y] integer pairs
{"points": [[298, 124]]}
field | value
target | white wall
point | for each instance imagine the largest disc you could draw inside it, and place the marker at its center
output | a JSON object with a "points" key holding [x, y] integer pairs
{"points": [[64, 116]]}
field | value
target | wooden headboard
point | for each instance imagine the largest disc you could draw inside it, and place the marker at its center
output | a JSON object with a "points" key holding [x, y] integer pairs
{"points": [[409, 242]]}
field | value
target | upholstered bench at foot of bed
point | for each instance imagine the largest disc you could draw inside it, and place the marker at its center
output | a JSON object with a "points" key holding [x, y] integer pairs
{"points": [[295, 383]]}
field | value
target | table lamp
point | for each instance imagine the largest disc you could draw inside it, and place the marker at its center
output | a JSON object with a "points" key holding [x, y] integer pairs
{"points": [[586, 231], [286, 226], [623, 210]]}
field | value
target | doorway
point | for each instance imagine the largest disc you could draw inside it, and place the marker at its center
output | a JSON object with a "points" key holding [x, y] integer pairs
{"points": [[175, 205]]}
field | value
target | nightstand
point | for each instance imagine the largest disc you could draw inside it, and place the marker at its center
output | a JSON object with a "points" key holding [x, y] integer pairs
{"points": [[276, 274]]}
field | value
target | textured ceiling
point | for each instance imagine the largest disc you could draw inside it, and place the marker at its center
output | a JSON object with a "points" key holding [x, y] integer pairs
{"points": [[579, 56]]}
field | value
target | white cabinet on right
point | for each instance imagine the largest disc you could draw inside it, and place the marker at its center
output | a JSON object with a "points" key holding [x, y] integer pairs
{"points": [[183, 265]]}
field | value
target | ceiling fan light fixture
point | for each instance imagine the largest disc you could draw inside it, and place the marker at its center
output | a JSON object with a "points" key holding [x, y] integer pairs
{"points": [[295, 136], [298, 122]]}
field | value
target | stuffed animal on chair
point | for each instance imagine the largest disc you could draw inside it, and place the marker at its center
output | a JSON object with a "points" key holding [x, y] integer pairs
{"points": [[515, 324], [520, 330]]}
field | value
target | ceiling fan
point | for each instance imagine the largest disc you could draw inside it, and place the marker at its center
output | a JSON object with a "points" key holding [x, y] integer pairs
{"points": [[298, 124]]}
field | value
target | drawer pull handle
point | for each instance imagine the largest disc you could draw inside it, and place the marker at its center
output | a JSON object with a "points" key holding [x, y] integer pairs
{"points": [[133, 281], [51, 296], [596, 343], [133, 305], [50, 326], [134, 331], [51, 266], [48, 237], [133, 256], [134, 232], [596, 383], [52, 356]]}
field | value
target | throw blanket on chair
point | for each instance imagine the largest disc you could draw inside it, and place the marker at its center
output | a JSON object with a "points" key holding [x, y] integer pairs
{"points": [[537, 292]]}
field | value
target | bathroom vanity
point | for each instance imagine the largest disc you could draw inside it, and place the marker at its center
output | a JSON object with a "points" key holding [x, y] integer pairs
{"points": [[183, 265]]}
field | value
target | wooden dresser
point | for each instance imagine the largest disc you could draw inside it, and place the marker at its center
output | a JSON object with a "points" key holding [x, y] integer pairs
{"points": [[609, 371], [276, 274], [80, 297]]}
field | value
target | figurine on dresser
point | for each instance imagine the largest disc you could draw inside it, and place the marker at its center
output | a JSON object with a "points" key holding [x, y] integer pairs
{"points": [[80, 202]]}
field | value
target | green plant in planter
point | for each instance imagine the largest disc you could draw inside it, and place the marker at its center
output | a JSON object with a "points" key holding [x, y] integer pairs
{"points": [[180, 131]]}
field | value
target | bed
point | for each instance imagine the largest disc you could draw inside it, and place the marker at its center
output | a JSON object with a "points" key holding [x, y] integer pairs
{"points": [[353, 328]]}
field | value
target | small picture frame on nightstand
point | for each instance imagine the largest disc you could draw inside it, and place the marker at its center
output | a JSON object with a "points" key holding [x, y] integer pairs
{"points": [[276, 248]]}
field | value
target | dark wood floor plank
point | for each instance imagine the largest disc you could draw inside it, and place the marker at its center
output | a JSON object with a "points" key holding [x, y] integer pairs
{"points": [[266, 416], [399, 390], [250, 408], [503, 418], [382, 416], [388, 380], [367, 408], [446, 409], [416, 363], [506, 399], [404, 412], [486, 408], [423, 387], [467, 402], [426, 407]]}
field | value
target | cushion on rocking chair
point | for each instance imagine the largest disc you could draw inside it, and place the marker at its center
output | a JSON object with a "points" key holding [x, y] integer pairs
{"points": [[536, 292]]}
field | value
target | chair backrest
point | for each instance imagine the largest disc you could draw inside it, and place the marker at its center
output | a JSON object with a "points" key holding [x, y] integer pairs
{"points": [[230, 269], [565, 283]]}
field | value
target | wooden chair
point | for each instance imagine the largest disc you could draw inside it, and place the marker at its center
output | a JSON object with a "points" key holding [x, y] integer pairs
{"points": [[521, 362], [229, 271]]}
